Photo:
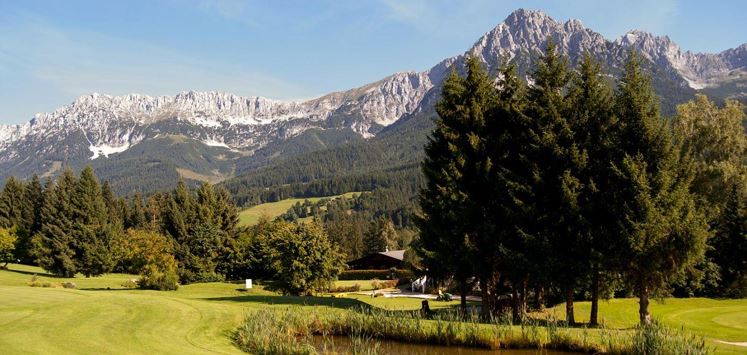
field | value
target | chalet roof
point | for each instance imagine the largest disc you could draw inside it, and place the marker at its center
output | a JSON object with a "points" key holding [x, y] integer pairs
{"points": [[396, 254]]}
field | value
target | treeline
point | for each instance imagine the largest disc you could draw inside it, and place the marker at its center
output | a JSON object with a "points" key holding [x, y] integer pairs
{"points": [[74, 224], [569, 187], [366, 223]]}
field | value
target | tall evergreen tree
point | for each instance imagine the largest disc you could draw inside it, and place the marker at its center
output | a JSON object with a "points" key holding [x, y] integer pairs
{"points": [[558, 185], [91, 231], [592, 121], [443, 245], [664, 233], [54, 246], [730, 245], [12, 201]]}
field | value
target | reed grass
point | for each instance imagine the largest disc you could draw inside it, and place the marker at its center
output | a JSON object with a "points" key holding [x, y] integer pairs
{"points": [[291, 331]]}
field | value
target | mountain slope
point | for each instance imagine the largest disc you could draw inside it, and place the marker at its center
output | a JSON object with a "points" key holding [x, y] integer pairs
{"points": [[123, 136]]}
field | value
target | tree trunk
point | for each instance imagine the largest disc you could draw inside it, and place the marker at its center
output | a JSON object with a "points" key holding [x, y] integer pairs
{"points": [[594, 316], [463, 298], [569, 316], [539, 302], [515, 306], [485, 294], [643, 306]]}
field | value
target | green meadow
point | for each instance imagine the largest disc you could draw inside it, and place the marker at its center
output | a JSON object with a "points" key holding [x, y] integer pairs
{"points": [[251, 215], [100, 316]]}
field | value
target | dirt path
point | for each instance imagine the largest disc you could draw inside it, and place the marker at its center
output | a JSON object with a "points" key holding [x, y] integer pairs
{"points": [[743, 343]]}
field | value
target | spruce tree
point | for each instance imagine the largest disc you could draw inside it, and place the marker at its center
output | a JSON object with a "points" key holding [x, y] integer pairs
{"points": [[663, 232], [730, 245], [91, 231], [559, 162], [443, 245], [30, 219], [592, 121], [54, 247], [12, 203]]}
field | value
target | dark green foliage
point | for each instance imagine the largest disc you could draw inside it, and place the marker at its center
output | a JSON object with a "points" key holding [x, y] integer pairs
{"points": [[298, 258], [664, 232], [203, 227], [92, 230], [555, 188], [729, 246], [53, 247]]}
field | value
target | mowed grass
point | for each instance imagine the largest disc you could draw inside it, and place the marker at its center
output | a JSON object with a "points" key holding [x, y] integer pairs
{"points": [[715, 320], [102, 317], [251, 215]]}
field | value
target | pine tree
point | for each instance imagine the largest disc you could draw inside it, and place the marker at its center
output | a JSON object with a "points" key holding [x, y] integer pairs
{"points": [[664, 233], [30, 219], [730, 245], [136, 216], [592, 120], [91, 231], [12, 201], [559, 161], [54, 247]]}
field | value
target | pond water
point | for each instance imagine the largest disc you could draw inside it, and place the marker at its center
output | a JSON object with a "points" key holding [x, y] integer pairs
{"points": [[342, 345]]}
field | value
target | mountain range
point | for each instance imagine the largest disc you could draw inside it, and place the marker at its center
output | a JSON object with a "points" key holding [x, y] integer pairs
{"points": [[145, 143]]}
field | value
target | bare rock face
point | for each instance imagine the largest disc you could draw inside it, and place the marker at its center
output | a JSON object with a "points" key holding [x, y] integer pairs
{"points": [[96, 126]]}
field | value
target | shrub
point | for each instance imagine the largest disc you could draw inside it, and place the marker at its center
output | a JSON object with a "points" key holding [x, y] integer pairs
{"points": [[131, 283], [382, 284], [35, 282], [69, 285], [352, 288], [160, 280], [654, 338]]}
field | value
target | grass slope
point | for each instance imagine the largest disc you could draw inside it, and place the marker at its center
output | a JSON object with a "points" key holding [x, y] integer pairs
{"points": [[724, 320], [102, 317], [251, 215]]}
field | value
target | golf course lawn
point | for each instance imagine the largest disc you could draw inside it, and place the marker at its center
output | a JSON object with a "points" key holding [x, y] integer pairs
{"points": [[200, 318], [251, 215]]}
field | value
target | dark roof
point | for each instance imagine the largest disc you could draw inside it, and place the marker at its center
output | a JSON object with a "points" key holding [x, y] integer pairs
{"points": [[380, 260]]}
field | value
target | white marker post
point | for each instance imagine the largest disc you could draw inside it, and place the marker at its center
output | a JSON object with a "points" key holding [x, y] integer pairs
{"points": [[248, 283]]}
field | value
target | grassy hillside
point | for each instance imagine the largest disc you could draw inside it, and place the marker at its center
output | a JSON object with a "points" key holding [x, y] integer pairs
{"points": [[251, 215], [102, 317]]}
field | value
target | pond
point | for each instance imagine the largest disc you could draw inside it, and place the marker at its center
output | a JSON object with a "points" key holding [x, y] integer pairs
{"points": [[342, 345]]}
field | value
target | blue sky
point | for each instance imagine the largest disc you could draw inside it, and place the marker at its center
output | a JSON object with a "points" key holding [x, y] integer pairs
{"points": [[54, 51]]}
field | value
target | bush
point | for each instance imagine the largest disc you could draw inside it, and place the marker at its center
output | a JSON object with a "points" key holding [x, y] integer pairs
{"points": [[155, 279], [69, 285], [35, 282], [352, 288], [376, 274], [382, 284], [131, 283]]}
